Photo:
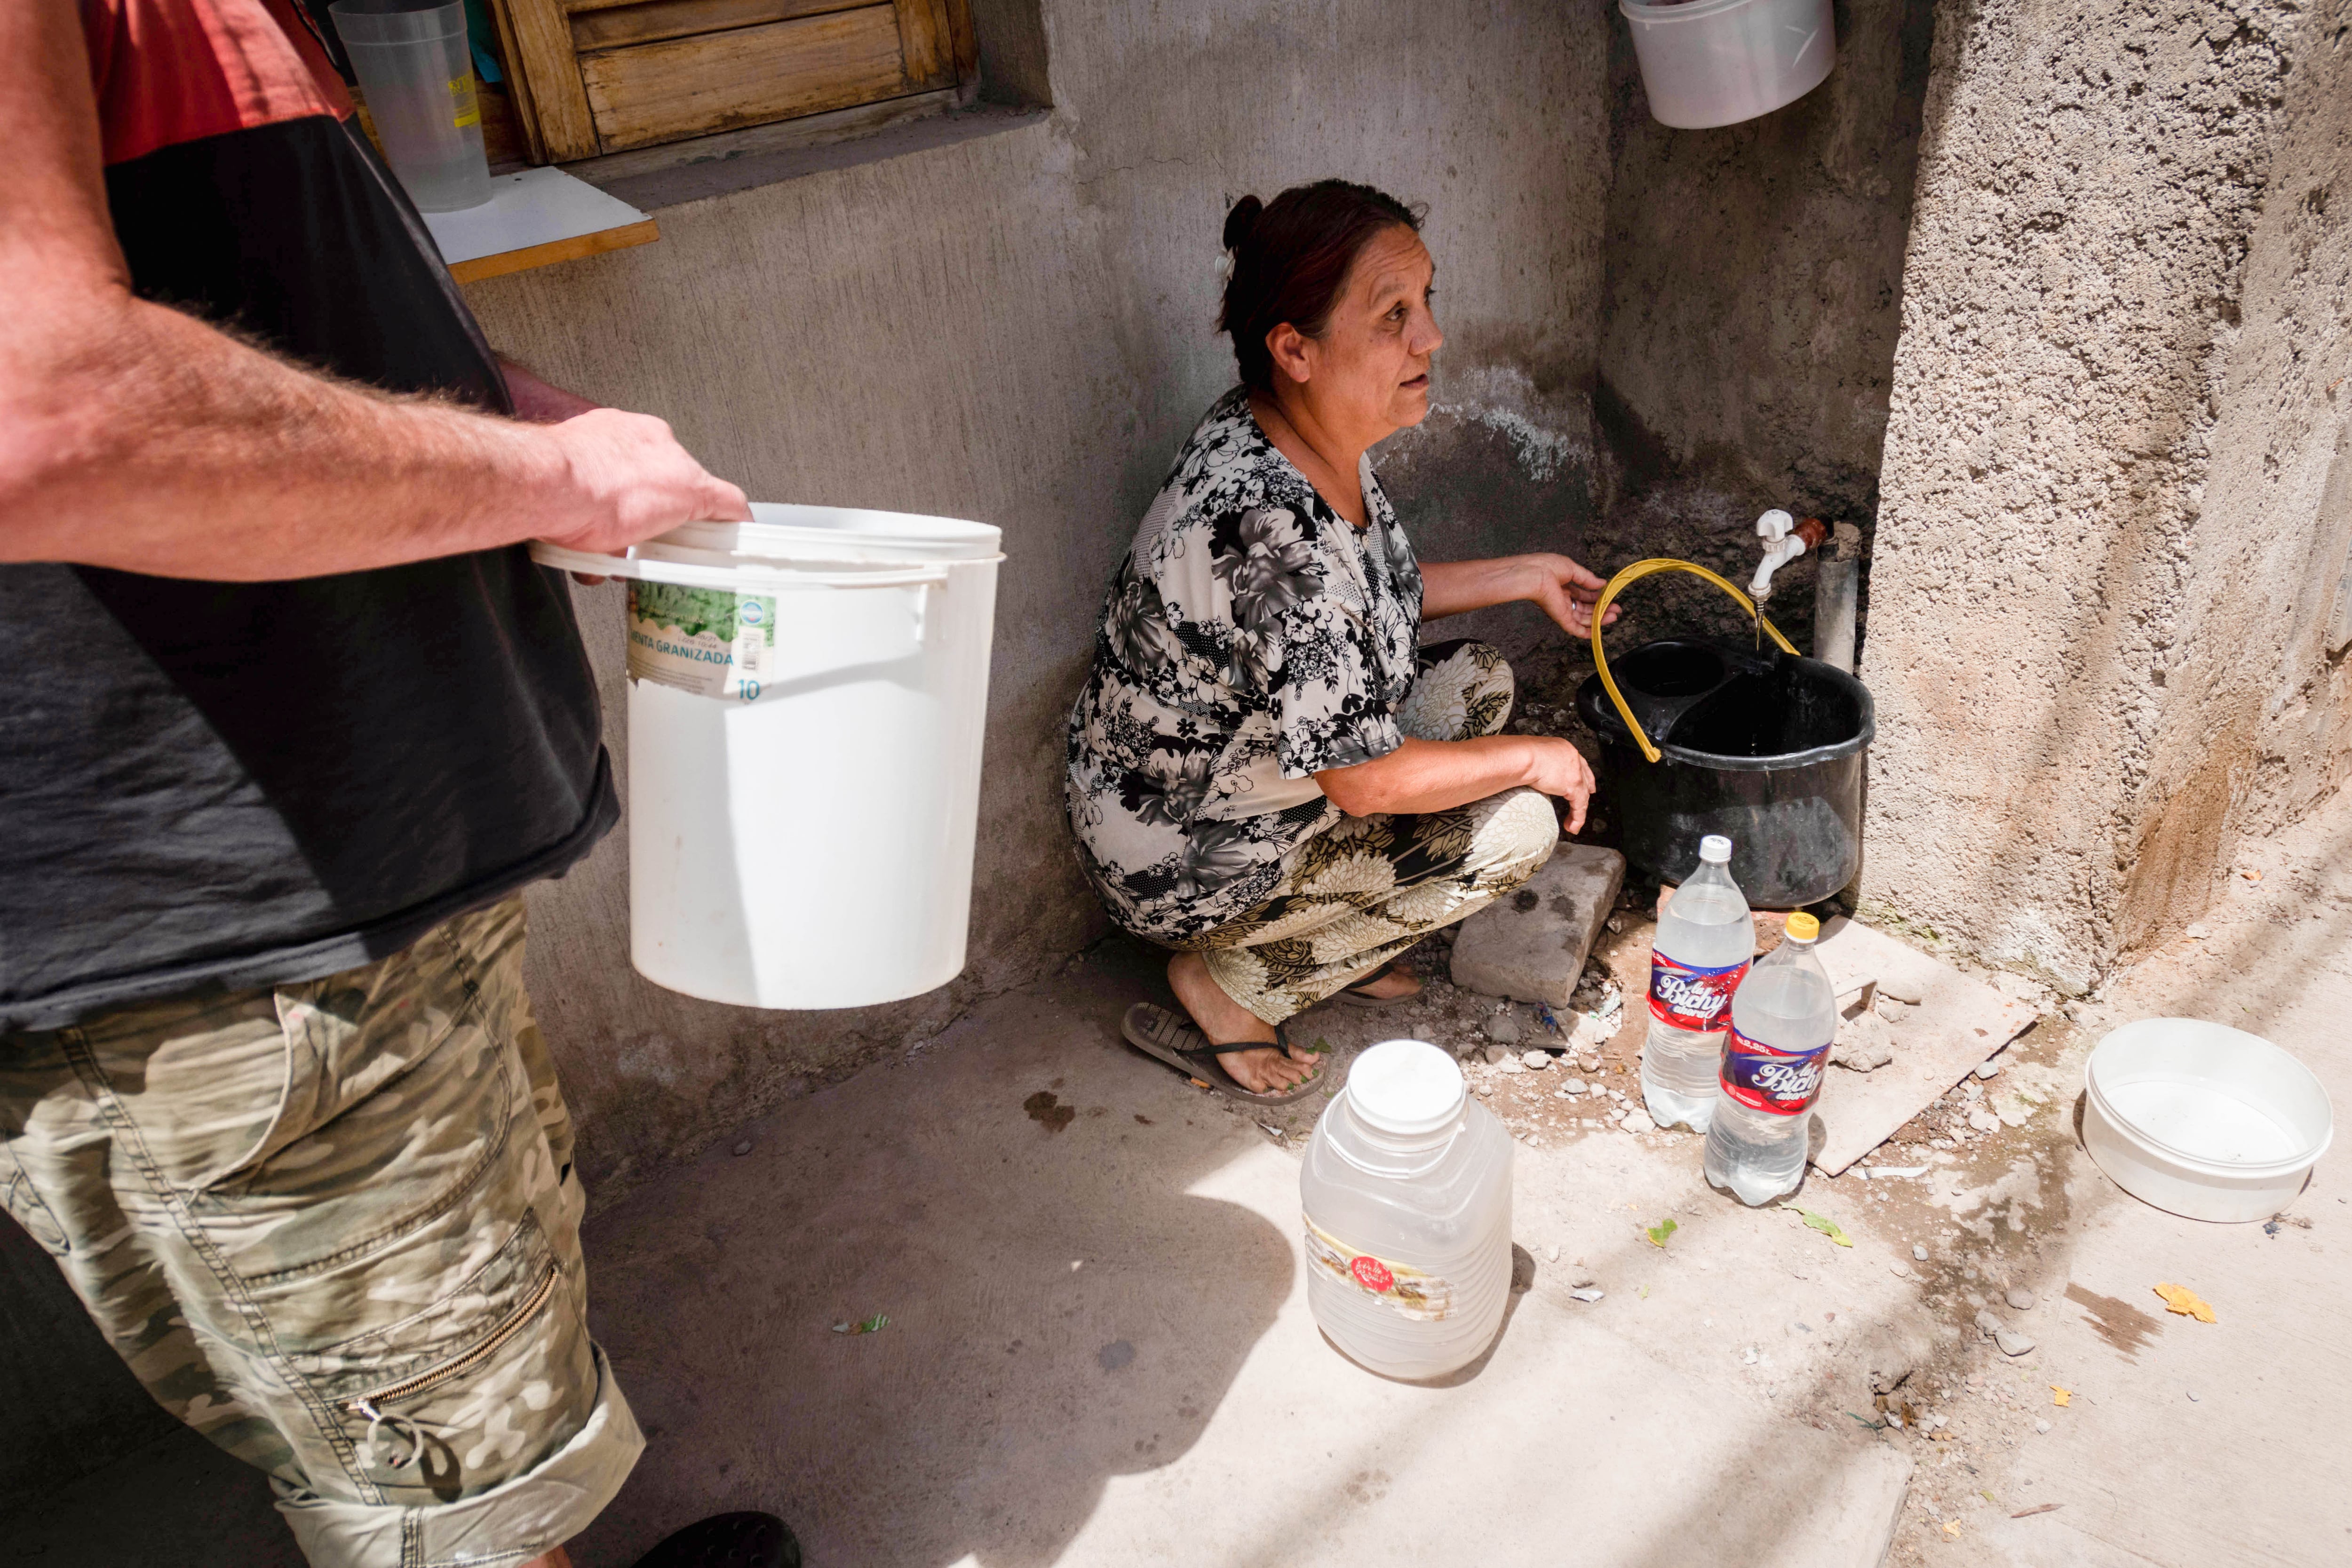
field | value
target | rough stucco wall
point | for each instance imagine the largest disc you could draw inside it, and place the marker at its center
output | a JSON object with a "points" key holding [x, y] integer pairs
{"points": [[1754, 279], [1018, 329], [2257, 719], [2100, 487]]}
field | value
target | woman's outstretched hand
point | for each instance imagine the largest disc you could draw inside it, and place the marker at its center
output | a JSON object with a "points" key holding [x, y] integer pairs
{"points": [[1567, 592]]}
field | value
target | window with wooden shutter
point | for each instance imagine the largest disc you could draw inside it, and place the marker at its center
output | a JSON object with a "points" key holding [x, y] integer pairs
{"points": [[601, 76]]}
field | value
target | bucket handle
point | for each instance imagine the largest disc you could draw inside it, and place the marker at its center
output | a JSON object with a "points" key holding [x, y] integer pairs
{"points": [[1639, 570], [691, 576]]}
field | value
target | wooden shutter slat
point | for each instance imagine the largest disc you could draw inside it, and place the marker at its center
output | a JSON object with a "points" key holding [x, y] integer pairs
{"points": [[746, 76], [651, 21], [966, 40], [927, 42], [539, 51]]}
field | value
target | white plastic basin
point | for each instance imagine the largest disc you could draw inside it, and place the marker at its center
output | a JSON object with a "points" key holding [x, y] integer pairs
{"points": [[2202, 1120], [1717, 62]]}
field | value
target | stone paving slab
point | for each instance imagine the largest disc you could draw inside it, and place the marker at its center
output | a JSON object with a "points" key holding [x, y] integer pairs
{"points": [[1531, 946], [1957, 1023]]}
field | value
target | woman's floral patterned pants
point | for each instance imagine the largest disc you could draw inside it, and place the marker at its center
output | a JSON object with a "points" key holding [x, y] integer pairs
{"points": [[1354, 896]]}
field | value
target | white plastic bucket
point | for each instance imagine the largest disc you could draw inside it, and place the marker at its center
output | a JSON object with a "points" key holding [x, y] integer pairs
{"points": [[2202, 1120], [1718, 62], [807, 696]]}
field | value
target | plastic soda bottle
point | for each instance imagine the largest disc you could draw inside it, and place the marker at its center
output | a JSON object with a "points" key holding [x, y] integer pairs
{"points": [[1702, 948], [1783, 1022]]}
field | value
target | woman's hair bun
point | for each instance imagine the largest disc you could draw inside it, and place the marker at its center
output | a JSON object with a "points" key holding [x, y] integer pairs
{"points": [[1240, 220]]}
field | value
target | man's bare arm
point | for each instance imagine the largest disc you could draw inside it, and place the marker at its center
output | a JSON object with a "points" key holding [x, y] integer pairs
{"points": [[136, 437]]}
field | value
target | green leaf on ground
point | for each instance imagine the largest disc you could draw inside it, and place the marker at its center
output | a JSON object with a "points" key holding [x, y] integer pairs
{"points": [[1645, 1292], [872, 1325], [1658, 1233], [1821, 1223]]}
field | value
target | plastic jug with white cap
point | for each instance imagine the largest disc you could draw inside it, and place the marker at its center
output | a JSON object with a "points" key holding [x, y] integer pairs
{"points": [[1407, 1192]]}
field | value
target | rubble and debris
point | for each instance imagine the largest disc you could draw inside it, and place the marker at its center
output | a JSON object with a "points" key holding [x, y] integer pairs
{"points": [[1863, 1043]]}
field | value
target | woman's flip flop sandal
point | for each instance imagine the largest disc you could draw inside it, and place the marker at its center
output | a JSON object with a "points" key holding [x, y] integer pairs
{"points": [[1157, 1032], [1354, 995]]}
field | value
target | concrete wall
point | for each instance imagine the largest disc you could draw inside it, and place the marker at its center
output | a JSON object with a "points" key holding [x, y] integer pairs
{"points": [[1754, 276], [2106, 552], [1017, 327]]}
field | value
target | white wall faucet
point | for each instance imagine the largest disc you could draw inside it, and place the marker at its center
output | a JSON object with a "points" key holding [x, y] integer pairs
{"points": [[1785, 538]]}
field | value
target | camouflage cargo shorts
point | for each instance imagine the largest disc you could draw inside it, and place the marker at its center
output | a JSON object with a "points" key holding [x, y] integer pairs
{"points": [[333, 1226]]}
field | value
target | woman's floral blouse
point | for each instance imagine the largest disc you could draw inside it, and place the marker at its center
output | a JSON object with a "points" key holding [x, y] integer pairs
{"points": [[1249, 639]]}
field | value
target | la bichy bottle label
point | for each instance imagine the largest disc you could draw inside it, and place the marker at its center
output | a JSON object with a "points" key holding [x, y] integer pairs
{"points": [[1783, 1083], [709, 641], [1424, 1297], [1687, 998]]}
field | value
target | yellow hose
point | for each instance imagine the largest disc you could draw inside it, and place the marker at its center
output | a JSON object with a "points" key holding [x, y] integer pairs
{"points": [[1639, 570]]}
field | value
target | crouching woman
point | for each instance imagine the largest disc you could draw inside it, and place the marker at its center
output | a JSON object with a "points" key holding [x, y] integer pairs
{"points": [[1269, 771]]}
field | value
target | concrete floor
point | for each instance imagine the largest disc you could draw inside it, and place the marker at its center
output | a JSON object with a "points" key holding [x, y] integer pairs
{"points": [[1098, 1350]]}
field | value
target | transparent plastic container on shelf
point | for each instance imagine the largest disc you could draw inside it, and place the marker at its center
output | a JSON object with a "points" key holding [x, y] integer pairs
{"points": [[1407, 1192], [1705, 942], [417, 72], [1784, 1020]]}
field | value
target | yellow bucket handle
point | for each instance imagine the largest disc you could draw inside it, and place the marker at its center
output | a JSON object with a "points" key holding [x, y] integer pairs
{"points": [[1639, 570]]}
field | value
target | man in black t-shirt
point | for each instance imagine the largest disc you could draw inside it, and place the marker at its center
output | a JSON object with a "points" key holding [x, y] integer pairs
{"points": [[290, 718]]}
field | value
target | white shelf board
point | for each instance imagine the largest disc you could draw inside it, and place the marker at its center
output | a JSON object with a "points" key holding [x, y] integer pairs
{"points": [[536, 208]]}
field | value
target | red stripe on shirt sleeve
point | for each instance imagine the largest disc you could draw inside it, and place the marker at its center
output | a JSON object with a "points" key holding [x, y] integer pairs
{"points": [[169, 71]]}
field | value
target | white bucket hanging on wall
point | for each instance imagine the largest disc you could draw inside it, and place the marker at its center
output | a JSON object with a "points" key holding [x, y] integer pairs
{"points": [[807, 695], [1717, 62]]}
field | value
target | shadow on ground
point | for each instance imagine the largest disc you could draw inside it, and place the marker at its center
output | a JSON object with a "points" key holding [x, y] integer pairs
{"points": [[1060, 1310]]}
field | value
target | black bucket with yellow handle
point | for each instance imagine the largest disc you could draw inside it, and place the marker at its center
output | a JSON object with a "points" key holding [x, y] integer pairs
{"points": [[1767, 749]]}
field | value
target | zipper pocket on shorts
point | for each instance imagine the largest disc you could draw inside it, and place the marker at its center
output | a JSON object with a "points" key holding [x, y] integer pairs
{"points": [[371, 1404]]}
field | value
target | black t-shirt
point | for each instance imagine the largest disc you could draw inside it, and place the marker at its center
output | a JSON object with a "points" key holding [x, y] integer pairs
{"points": [[216, 785]]}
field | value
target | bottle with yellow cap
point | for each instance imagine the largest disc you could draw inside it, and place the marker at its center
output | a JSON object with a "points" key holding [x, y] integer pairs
{"points": [[1784, 1019]]}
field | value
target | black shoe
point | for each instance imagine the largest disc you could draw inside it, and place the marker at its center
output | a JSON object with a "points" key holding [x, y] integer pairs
{"points": [[728, 1540]]}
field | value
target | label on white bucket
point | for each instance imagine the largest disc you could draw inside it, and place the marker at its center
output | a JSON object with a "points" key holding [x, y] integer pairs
{"points": [[709, 641], [1424, 1297]]}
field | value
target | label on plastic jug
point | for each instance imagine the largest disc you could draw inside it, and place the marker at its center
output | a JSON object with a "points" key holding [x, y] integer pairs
{"points": [[1689, 998], [1781, 1082], [708, 641], [1423, 1298]]}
